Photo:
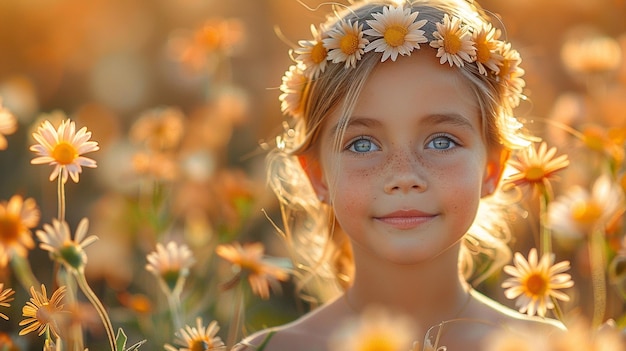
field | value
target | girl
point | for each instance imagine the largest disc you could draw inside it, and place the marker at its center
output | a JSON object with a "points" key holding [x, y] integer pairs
{"points": [[400, 126]]}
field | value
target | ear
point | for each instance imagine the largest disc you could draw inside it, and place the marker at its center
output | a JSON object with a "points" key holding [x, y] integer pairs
{"points": [[313, 169], [496, 161]]}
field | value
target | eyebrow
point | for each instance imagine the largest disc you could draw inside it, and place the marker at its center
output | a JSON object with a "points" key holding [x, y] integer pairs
{"points": [[450, 118], [434, 119]]}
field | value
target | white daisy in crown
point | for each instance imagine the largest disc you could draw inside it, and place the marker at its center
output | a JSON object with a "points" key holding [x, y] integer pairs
{"points": [[313, 54], [292, 87], [453, 42], [396, 31], [486, 42], [511, 73], [346, 43]]}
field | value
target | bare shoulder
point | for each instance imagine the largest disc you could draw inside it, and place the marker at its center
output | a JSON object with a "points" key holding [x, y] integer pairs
{"points": [[308, 333], [507, 317]]}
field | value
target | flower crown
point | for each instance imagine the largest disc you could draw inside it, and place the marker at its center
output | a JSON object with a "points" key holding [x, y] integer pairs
{"points": [[397, 31]]}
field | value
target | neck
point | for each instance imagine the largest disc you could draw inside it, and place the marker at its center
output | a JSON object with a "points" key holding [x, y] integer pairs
{"points": [[429, 291]]}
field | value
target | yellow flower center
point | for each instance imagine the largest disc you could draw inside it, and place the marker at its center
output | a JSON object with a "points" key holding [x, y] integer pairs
{"points": [[483, 54], [394, 35], [199, 345], [378, 343], [536, 285], [594, 139], [505, 69], [452, 43], [250, 266], [349, 44], [45, 314], [586, 212], [535, 173], [64, 153], [318, 53], [10, 229]]}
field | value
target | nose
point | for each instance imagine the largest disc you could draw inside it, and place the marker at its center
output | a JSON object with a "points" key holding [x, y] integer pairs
{"points": [[405, 173]]}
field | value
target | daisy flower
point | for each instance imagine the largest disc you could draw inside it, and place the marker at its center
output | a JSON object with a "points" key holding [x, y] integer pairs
{"points": [[56, 239], [198, 338], [171, 264], [536, 168], [582, 336], [396, 32], [5, 298], [535, 282], [374, 329], [511, 73], [579, 211], [293, 85], [248, 260], [159, 128], [17, 218], [43, 313], [313, 54], [486, 42], [346, 43], [8, 125], [63, 148], [453, 42], [517, 338]]}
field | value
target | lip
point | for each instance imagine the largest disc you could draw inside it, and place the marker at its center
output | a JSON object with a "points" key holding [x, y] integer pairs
{"points": [[406, 219]]}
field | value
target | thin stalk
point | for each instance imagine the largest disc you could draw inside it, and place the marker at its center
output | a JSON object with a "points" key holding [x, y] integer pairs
{"points": [[173, 301], [61, 197], [86, 289], [545, 234], [558, 313], [233, 330], [598, 279], [75, 338], [23, 272]]}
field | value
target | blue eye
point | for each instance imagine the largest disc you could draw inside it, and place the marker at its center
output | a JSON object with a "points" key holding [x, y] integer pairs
{"points": [[441, 143], [362, 145]]}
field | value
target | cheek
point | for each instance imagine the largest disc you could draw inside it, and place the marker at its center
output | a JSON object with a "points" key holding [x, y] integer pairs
{"points": [[352, 191], [461, 188]]}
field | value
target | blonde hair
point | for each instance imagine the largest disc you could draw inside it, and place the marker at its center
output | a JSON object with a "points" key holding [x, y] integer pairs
{"points": [[318, 247]]}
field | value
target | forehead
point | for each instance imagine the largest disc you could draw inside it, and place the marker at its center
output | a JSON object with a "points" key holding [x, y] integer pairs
{"points": [[414, 84]]}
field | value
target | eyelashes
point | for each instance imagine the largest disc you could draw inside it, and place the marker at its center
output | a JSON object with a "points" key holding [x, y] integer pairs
{"points": [[365, 144]]}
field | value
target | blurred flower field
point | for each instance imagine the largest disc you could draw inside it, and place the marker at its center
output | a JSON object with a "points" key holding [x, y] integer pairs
{"points": [[133, 206]]}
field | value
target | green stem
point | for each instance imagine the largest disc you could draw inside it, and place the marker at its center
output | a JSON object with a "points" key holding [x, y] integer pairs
{"points": [[24, 272], [75, 338], [84, 286], [173, 301], [558, 313], [236, 320], [598, 279], [61, 198], [545, 239]]}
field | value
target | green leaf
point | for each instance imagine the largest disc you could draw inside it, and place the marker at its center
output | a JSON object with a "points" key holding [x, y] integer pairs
{"points": [[120, 342]]}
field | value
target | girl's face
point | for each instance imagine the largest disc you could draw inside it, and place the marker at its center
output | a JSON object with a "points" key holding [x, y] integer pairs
{"points": [[413, 164]]}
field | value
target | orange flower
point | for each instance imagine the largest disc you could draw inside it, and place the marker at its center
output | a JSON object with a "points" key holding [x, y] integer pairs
{"points": [[43, 314], [248, 259], [5, 298], [199, 338], [8, 125], [17, 217], [374, 329]]}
